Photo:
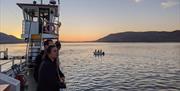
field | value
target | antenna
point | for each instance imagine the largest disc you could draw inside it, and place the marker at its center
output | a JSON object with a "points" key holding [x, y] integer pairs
{"points": [[58, 1]]}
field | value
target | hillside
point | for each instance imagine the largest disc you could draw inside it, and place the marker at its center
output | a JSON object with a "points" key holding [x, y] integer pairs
{"points": [[4, 38], [151, 36]]}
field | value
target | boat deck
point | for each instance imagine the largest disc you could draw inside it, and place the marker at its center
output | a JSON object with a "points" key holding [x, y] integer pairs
{"points": [[32, 85]]}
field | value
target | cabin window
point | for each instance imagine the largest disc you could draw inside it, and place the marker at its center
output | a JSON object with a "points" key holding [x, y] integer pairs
{"points": [[35, 19], [30, 14]]}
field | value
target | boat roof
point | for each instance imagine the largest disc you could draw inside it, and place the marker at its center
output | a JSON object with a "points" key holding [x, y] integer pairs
{"points": [[29, 8], [24, 5]]}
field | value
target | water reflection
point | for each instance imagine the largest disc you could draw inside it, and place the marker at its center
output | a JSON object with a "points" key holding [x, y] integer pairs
{"points": [[125, 67]]}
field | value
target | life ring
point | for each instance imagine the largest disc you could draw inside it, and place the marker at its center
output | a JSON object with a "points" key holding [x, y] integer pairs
{"points": [[49, 28]]}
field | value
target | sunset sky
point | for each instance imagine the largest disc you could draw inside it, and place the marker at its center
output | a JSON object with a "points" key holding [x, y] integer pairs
{"points": [[85, 20]]}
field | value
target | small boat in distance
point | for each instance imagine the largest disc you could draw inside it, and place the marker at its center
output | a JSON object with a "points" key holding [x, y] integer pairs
{"points": [[98, 53]]}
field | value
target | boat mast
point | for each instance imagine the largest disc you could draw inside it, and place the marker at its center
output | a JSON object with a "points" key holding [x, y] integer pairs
{"points": [[41, 1], [59, 16]]}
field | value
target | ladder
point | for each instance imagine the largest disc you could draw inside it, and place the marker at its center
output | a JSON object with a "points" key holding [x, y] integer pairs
{"points": [[33, 49]]}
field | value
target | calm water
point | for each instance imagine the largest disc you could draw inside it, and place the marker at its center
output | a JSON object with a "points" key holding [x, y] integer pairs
{"points": [[125, 67]]}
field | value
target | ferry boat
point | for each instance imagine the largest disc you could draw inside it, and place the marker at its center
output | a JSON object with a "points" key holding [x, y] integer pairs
{"points": [[40, 22]]}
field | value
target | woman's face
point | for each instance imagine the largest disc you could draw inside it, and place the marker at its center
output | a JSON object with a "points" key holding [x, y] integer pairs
{"points": [[54, 53]]}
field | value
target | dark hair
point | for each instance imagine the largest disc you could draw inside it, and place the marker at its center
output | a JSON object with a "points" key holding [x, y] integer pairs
{"points": [[58, 45], [50, 48], [46, 43]]}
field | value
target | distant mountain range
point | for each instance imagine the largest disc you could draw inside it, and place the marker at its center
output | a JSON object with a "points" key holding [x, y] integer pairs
{"points": [[151, 36], [4, 38]]}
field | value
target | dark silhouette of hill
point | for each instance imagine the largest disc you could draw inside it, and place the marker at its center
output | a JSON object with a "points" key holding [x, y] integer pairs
{"points": [[151, 36], [4, 38]]}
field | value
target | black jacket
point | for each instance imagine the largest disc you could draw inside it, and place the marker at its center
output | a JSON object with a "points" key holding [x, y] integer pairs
{"points": [[48, 79], [38, 61]]}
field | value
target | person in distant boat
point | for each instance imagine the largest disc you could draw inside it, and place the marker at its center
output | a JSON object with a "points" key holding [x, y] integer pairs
{"points": [[50, 77], [100, 51], [103, 53], [38, 59], [95, 51]]}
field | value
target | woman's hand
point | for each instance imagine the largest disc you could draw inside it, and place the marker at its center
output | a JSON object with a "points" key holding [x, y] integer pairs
{"points": [[62, 79]]}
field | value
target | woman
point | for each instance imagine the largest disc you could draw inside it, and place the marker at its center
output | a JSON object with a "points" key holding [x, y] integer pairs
{"points": [[50, 76], [39, 58]]}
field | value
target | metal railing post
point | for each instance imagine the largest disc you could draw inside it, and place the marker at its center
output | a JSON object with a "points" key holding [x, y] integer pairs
{"points": [[12, 61], [0, 68], [20, 64]]}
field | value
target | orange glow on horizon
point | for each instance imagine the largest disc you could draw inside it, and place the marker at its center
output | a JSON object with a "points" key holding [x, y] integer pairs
{"points": [[78, 38]]}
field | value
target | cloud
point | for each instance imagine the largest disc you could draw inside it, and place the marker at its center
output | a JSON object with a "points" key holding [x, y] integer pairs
{"points": [[170, 3], [137, 1]]}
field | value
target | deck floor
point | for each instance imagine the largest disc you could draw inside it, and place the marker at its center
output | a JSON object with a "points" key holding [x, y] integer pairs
{"points": [[32, 85]]}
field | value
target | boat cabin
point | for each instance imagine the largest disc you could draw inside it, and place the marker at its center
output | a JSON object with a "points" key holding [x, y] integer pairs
{"points": [[40, 19], [40, 22]]}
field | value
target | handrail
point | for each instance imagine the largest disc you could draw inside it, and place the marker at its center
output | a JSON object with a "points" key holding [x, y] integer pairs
{"points": [[5, 63], [11, 61], [28, 43]]}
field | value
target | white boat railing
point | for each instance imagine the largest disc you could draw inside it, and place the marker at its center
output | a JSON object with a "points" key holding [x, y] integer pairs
{"points": [[15, 60], [14, 84], [7, 74]]}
